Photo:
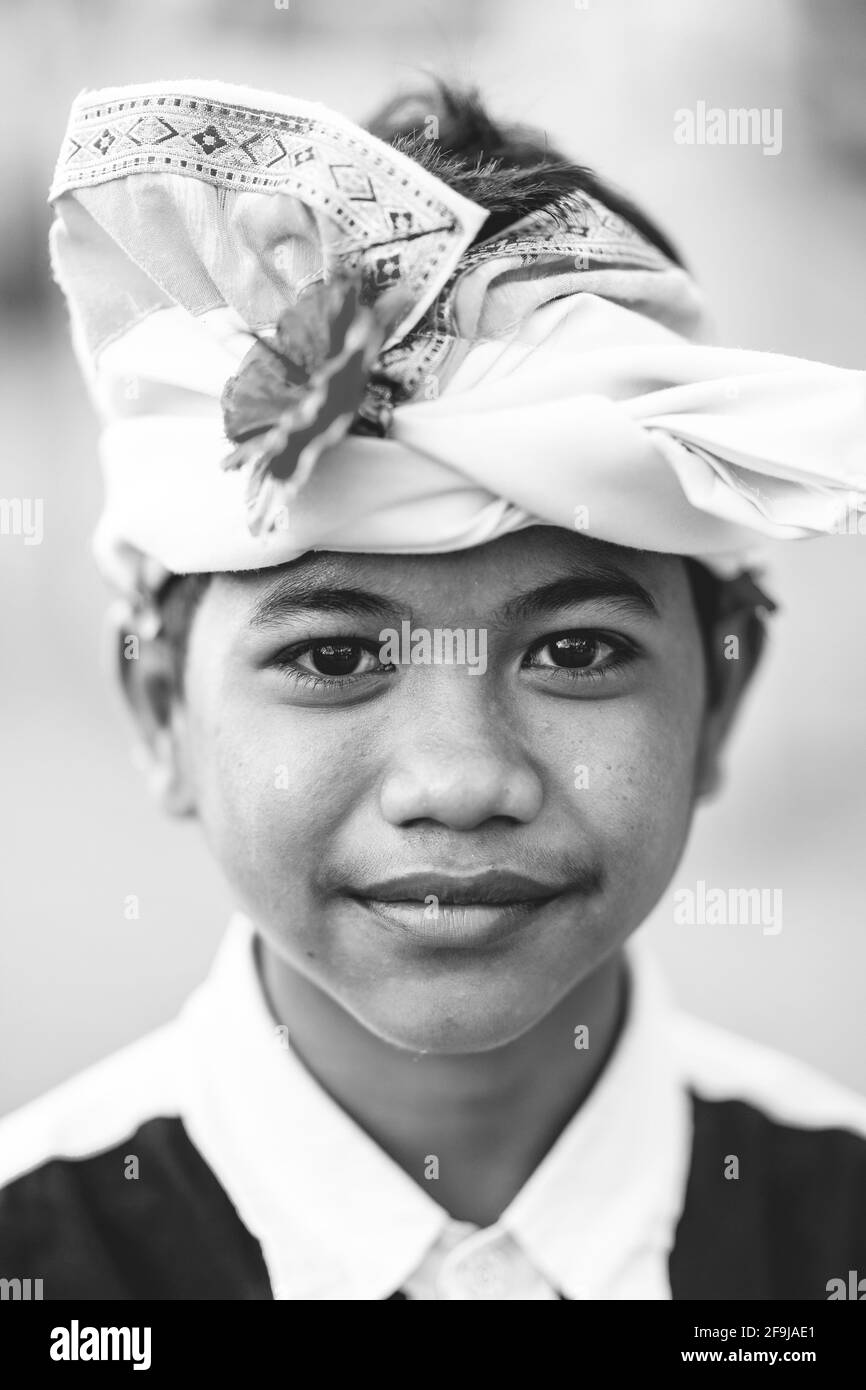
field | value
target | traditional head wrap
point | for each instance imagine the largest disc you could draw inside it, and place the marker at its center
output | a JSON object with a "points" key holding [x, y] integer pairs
{"points": [[294, 345]]}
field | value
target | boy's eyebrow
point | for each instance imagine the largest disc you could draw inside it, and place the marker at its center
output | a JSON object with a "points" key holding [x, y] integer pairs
{"points": [[585, 586], [294, 595]]}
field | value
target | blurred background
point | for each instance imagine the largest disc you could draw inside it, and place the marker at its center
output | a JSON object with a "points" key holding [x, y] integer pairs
{"points": [[778, 241]]}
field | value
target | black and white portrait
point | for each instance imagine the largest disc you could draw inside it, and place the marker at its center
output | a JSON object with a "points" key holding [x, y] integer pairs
{"points": [[432, 526]]}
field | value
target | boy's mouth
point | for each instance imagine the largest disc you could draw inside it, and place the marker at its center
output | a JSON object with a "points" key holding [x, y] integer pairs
{"points": [[447, 910]]}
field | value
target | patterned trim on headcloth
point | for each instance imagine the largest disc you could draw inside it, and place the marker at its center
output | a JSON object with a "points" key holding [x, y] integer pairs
{"points": [[379, 199]]}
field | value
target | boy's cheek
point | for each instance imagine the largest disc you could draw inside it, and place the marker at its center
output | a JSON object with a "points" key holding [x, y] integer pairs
{"points": [[635, 756], [269, 801], [640, 809]]}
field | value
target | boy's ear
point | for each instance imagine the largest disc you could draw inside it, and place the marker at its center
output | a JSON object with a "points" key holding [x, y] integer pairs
{"points": [[734, 652], [147, 669]]}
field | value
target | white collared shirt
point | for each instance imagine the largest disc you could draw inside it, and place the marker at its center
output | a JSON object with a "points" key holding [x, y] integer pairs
{"points": [[335, 1218]]}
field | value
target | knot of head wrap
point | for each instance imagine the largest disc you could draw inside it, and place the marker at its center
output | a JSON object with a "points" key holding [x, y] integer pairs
{"points": [[296, 341]]}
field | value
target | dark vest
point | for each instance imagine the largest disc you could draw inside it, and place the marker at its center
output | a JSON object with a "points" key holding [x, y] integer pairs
{"points": [[794, 1218]]}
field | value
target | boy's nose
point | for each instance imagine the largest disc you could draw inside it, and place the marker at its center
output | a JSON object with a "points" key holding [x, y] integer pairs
{"points": [[459, 768]]}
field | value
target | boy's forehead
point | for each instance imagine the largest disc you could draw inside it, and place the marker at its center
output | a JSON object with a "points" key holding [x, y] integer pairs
{"points": [[490, 577]]}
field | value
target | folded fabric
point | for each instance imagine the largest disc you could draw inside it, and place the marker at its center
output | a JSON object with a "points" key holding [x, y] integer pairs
{"points": [[294, 345]]}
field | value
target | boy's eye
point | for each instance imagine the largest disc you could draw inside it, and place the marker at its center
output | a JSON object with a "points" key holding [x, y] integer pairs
{"points": [[337, 658], [573, 651]]}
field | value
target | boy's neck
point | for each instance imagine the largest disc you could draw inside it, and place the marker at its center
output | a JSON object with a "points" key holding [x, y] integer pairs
{"points": [[489, 1117]]}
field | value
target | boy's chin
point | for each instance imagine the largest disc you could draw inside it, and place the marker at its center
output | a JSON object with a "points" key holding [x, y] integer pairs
{"points": [[455, 1027]]}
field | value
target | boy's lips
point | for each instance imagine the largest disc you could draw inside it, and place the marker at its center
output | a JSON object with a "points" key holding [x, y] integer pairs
{"points": [[444, 910], [492, 887]]}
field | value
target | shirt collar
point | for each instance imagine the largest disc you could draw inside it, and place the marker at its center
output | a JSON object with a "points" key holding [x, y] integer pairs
{"points": [[337, 1218], [598, 1216]]}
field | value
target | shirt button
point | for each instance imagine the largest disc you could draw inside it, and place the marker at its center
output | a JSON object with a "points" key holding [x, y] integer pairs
{"points": [[482, 1268], [477, 1277], [484, 1277]]}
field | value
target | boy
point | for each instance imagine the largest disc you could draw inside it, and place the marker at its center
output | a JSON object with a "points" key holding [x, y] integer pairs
{"points": [[433, 524]]}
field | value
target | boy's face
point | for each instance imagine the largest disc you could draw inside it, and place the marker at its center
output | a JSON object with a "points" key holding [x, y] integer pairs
{"points": [[558, 780]]}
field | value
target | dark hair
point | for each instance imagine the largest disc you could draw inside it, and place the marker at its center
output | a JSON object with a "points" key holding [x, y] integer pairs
{"points": [[512, 170], [177, 601], [715, 599]]}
